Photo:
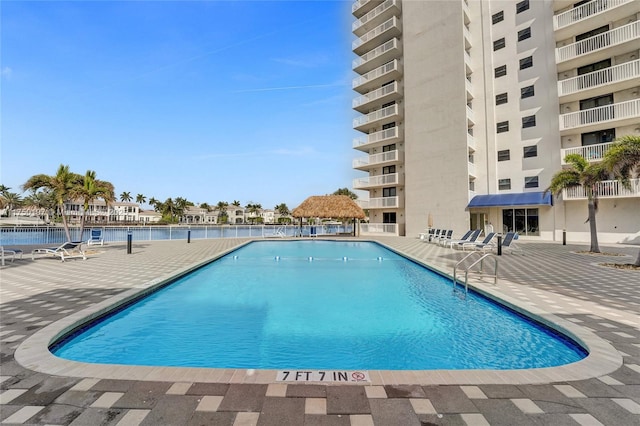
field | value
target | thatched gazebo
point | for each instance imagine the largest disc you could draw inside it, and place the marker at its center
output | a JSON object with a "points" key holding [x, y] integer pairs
{"points": [[329, 206]]}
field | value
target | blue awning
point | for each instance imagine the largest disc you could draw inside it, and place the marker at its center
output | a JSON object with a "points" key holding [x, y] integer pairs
{"points": [[522, 199]]}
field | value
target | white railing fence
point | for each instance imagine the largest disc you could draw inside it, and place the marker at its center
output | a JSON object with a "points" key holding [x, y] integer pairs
{"points": [[600, 41], [585, 11], [604, 189], [379, 228], [588, 152], [621, 110], [627, 71]]}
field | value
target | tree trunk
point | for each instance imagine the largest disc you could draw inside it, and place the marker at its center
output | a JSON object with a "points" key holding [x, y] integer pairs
{"points": [[638, 260], [592, 228], [66, 226]]}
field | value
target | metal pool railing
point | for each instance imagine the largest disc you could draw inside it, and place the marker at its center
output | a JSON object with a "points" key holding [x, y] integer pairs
{"points": [[35, 235]]}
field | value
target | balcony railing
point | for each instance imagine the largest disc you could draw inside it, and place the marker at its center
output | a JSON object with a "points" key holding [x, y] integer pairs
{"points": [[585, 11], [627, 71], [380, 180], [470, 115], [383, 202], [471, 141], [375, 94], [378, 51], [380, 136], [378, 72], [357, 5], [375, 116], [379, 228], [601, 41], [590, 153], [380, 29], [604, 189], [471, 168], [380, 158], [619, 111], [372, 14]]}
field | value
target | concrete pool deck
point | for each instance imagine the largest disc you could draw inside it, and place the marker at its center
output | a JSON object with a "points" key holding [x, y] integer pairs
{"points": [[595, 300]]}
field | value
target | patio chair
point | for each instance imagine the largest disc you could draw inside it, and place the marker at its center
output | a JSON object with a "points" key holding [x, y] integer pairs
{"points": [[96, 237], [465, 237], [444, 236], [470, 239], [65, 251], [278, 233], [10, 252], [486, 244], [509, 244], [425, 235], [434, 235]]}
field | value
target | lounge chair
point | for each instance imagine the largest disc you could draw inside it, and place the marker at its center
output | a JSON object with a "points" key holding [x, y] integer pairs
{"points": [[509, 244], [425, 235], [96, 237], [465, 237], [10, 252], [486, 244], [278, 233], [470, 239], [435, 234], [65, 251], [444, 236]]}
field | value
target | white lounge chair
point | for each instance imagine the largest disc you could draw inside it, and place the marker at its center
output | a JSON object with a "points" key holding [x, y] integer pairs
{"points": [[509, 244], [65, 251], [96, 237], [278, 233], [10, 252], [444, 236], [471, 238], [486, 244]]}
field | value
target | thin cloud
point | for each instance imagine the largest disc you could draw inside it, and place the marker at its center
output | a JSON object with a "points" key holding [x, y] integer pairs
{"points": [[6, 72], [271, 89], [310, 61]]}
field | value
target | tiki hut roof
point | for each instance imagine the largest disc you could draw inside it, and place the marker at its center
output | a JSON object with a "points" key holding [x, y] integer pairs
{"points": [[338, 206]]}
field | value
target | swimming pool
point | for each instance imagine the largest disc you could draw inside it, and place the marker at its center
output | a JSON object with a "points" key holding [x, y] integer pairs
{"points": [[317, 304]]}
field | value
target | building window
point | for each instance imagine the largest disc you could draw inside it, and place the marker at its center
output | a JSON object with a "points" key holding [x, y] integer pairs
{"points": [[595, 67], [497, 17], [387, 148], [388, 126], [527, 92], [500, 71], [504, 155], [592, 33], [522, 6], [502, 98], [601, 136], [472, 185], [524, 34], [596, 102], [499, 44], [388, 170], [530, 151], [531, 182], [529, 121], [389, 192], [526, 62], [522, 221], [504, 184], [389, 217], [502, 127]]}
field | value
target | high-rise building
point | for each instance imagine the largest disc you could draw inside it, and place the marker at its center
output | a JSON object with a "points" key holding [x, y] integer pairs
{"points": [[468, 108]]}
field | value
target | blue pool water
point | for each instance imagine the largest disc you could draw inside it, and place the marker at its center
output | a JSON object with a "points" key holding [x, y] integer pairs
{"points": [[317, 305]]}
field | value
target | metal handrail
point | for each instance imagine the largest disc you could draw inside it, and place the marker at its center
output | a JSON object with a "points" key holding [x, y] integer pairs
{"points": [[468, 268]]}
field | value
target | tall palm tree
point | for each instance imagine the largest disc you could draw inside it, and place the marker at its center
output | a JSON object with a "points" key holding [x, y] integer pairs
{"points": [[222, 211], [92, 189], [4, 189], [254, 209], [125, 197], [283, 211], [42, 200], [206, 207], [153, 202], [581, 173], [236, 203], [623, 160], [60, 184], [141, 199], [11, 200]]}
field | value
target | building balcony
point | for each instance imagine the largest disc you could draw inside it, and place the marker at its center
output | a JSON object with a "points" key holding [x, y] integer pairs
{"points": [[592, 153], [470, 118], [379, 181], [385, 31], [469, 88], [466, 12], [471, 142], [604, 189], [375, 17], [593, 49], [382, 95], [608, 80], [378, 160], [590, 15], [366, 123], [366, 82], [390, 229], [471, 169], [467, 38], [620, 114], [381, 203], [374, 58], [378, 139], [362, 7]]}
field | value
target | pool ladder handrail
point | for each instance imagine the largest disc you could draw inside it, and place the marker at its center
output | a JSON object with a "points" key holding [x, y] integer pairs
{"points": [[480, 260]]}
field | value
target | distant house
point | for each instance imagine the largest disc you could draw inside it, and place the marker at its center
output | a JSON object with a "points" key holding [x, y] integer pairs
{"points": [[149, 216]]}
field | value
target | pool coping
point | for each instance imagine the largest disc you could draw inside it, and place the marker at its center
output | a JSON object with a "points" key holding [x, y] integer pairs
{"points": [[33, 353]]}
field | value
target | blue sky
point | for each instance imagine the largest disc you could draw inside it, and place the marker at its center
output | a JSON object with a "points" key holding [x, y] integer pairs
{"points": [[206, 100]]}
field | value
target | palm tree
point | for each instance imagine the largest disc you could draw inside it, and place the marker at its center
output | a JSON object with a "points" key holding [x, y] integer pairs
{"points": [[141, 199], [42, 200], [4, 189], [623, 160], [11, 200], [283, 211], [206, 207], [154, 203], [60, 184], [125, 197], [581, 173], [236, 203], [181, 205], [347, 192], [92, 189], [222, 211], [253, 208]]}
